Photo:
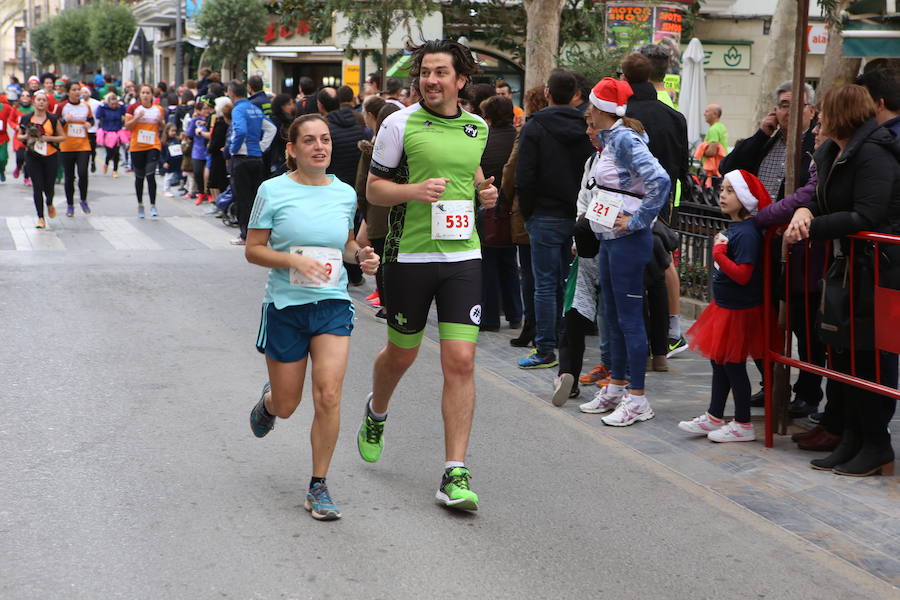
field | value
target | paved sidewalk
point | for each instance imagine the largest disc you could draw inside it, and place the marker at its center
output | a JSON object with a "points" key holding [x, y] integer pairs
{"points": [[857, 520]]}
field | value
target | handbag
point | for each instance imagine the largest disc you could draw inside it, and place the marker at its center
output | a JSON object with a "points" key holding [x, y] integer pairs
{"points": [[586, 241], [496, 229], [833, 318]]}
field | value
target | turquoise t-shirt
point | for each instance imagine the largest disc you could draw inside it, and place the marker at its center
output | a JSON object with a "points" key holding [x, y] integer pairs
{"points": [[303, 215]]}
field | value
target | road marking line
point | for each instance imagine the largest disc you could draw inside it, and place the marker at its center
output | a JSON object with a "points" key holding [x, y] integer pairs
{"points": [[122, 234], [19, 238], [207, 234], [27, 237]]}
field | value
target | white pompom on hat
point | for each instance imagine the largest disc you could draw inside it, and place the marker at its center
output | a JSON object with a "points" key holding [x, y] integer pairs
{"points": [[749, 189], [611, 96]]}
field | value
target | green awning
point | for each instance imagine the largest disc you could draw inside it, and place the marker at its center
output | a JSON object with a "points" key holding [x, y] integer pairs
{"points": [[400, 68], [872, 30]]}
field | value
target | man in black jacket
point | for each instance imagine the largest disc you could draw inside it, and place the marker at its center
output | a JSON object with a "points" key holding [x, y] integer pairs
{"points": [[667, 129], [764, 153], [345, 133], [552, 150], [258, 97]]}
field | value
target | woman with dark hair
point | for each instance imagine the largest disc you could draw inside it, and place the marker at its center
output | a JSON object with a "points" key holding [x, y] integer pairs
{"points": [[145, 124], [215, 148], [478, 93], [535, 100], [859, 190], [374, 228], [301, 229], [283, 110], [76, 118], [500, 277]]}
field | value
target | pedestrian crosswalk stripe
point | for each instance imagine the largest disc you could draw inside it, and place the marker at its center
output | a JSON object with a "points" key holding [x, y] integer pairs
{"points": [[122, 235], [27, 237], [206, 233]]}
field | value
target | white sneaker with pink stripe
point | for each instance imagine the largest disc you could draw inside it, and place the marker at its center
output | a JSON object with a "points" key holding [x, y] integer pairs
{"points": [[733, 432], [701, 425], [629, 411]]}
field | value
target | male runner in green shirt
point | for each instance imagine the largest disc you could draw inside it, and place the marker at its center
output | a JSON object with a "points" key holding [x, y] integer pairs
{"points": [[426, 167]]}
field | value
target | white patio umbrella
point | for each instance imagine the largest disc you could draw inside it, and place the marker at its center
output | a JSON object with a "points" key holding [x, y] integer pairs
{"points": [[692, 99]]}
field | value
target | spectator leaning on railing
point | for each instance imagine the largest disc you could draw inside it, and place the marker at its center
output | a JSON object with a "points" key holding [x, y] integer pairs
{"points": [[860, 193]]}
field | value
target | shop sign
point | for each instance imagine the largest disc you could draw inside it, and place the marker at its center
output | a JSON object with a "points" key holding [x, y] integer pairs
{"points": [[725, 56], [275, 31], [816, 38], [351, 77]]}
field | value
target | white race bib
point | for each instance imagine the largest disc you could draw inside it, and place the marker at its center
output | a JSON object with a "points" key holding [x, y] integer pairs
{"points": [[452, 219], [332, 258], [603, 209], [76, 130], [174, 149], [145, 136], [41, 148]]}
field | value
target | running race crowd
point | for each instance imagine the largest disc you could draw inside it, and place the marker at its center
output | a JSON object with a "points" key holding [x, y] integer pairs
{"points": [[556, 218]]}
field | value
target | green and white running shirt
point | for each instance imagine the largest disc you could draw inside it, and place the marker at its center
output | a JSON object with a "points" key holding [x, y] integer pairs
{"points": [[415, 144]]}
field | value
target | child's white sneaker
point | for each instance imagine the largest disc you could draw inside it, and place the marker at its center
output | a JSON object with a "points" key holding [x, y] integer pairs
{"points": [[629, 411], [603, 401], [733, 432], [701, 425]]}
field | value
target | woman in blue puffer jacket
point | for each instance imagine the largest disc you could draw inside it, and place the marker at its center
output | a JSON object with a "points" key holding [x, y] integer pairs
{"points": [[632, 187]]}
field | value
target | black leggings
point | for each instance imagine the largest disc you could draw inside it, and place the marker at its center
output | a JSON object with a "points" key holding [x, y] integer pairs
{"points": [[730, 377], [43, 177], [571, 344], [93, 139], [71, 162], [656, 317], [21, 163], [144, 163], [112, 154], [199, 165]]}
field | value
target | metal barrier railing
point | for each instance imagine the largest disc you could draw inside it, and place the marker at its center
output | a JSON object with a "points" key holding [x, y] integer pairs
{"points": [[886, 318]]}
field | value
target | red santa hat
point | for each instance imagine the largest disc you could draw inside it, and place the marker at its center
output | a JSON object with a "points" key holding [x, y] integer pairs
{"points": [[611, 95], [749, 189]]}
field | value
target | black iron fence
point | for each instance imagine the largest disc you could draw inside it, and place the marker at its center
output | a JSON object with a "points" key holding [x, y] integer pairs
{"points": [[699, 220]]}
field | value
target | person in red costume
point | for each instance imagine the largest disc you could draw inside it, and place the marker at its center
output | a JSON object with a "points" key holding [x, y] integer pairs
{"points": [[729, 329]]}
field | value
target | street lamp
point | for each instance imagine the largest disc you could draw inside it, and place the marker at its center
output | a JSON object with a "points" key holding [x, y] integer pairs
{"points": [[179, 48]]}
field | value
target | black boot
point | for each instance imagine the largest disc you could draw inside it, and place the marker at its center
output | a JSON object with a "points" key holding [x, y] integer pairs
{"points": [[873, 458], [849, 447], [526, 337]]}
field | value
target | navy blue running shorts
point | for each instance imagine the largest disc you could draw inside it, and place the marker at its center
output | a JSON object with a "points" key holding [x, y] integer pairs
{"points": [[285, 335]]}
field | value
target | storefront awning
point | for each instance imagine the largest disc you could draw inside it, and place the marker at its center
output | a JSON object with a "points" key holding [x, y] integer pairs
{"points": [[872, 30], [401, 67]]}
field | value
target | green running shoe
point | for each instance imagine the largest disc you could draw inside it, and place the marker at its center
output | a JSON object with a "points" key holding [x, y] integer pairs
{"points": [[454, 491], [370, 437]]}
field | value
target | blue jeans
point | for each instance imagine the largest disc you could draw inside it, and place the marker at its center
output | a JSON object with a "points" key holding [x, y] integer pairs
{"points": [[551, 253], [500, 286], [622, 263]]}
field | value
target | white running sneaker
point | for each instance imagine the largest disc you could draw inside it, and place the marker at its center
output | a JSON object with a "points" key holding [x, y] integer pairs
{"points": [[732, 433], [603, 401], [562, 388], [700, 425], [628, 412]]}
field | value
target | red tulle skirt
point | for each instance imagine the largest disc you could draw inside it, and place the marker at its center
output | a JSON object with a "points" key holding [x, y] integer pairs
{"points": [[728, 335]]}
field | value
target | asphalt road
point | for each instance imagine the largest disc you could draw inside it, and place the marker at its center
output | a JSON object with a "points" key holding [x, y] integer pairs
{"points": [[129, 469]]}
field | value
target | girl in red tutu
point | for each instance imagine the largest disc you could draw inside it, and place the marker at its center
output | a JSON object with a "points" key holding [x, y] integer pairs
{"points": [[731, 327]]}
